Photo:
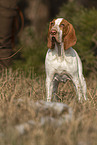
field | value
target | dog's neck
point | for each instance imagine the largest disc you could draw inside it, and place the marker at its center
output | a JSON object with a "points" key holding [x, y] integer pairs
{"points": [[59, 47]]}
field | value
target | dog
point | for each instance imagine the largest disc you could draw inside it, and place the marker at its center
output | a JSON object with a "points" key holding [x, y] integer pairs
{"points": [[62, 62]]}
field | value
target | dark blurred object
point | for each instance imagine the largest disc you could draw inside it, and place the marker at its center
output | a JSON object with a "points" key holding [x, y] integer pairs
{"points": [[7, 14], [55, 7]]}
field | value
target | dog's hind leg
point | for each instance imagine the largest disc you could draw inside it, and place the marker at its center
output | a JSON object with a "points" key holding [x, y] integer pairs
{"points": [[55, 90]]}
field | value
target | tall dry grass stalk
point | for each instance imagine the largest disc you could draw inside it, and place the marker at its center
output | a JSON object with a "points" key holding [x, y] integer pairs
{"points": [[18, 88]]}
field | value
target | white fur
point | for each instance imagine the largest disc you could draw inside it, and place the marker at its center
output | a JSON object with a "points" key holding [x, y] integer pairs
{"points": [[58, 21], [62, 67]]}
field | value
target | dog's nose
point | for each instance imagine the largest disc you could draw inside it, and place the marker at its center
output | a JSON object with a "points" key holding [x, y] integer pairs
{"points": [[53, 32]]}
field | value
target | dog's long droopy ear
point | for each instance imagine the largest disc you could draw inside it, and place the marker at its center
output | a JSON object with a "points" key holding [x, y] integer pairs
{"points": [[69, 36], [49, 43]]}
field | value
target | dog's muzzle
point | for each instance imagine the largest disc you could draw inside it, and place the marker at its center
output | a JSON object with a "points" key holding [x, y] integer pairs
{"points": [[53, 35]]}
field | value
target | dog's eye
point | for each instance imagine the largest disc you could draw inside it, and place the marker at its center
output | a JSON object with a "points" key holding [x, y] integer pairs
{"points": [[62, 25], [52, 24]]}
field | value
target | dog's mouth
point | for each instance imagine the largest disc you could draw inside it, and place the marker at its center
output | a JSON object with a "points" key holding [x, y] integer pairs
{"points": [[54, 39]]}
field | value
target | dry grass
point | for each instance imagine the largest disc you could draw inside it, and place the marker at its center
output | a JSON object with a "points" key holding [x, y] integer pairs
{"points": [[18, 88]]}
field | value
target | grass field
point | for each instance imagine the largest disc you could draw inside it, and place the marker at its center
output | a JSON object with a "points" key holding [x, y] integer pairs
{"points": [[18, 88]]}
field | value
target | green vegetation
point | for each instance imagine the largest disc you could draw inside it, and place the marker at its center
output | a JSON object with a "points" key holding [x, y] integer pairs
{"points": [[33, 51]]}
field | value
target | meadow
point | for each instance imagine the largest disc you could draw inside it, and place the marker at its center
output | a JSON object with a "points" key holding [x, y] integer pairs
{"points": [[18, 88]]}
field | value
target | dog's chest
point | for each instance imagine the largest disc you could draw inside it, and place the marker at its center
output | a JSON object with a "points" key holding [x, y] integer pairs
{"points": [[55, 62], [60, 64]]}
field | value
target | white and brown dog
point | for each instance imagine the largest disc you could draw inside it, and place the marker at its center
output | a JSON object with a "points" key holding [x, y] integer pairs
{"points": [[62, 61]]}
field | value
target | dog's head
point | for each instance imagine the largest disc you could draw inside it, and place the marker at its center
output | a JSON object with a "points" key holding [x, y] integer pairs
{"points": [[59, 31]]}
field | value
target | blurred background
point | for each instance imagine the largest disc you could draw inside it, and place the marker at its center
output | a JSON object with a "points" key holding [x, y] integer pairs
{"points": [[33, 38]]}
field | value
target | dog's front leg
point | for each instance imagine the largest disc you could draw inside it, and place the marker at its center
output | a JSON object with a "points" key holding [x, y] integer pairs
{"points": [[79, 88], [49, 88]]}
